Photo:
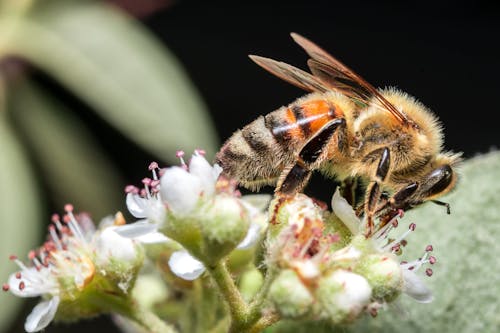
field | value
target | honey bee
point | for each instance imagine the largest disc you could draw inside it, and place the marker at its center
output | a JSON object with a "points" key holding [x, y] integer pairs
{"points": [[348, 130]]}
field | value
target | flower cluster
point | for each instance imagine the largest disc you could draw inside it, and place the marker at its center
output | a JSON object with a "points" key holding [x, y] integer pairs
{"points": [[72, 266], [318, 263], [330, 270], [196, 208]]}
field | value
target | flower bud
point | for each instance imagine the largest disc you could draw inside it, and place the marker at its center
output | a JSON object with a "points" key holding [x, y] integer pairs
{"points": [[291, 298], [224, 226], [384, 275], [343, 295]]}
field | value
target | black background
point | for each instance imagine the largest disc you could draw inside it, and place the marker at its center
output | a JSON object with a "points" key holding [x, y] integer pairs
{"points": [[446, 54]]}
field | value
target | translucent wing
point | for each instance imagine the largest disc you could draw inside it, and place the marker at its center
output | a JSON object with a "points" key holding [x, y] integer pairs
{"points": [[291, 74], [339, 77]]}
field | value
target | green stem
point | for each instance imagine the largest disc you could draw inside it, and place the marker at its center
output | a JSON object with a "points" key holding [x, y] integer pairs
{"points": [[237, 306], [259, 298], [150, 321], [264, 322]]}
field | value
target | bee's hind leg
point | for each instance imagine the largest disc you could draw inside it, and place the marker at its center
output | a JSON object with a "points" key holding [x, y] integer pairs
{"points": [[295, 178]]}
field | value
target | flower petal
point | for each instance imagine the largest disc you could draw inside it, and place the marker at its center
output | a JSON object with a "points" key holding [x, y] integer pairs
{"points": [[345, 213], [110, 244], [414, 287], [137, 206], [180, 190], [41, 315], [153, 238], [137, 229], [35, 283], [199, 167], [185, 265], [253, 235], [256, 203]]}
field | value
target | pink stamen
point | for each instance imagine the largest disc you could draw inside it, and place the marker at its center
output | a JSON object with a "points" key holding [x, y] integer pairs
{"points": [[412, 226], [12, 257], [18, 275], [432, 260], [179, 154], [153, 166], [22, 285], [200, 152], [429, 248], [31, 255], [429, 272], [55, 217], [131, 189], [5, 287], [68, 208], [146, 181]]}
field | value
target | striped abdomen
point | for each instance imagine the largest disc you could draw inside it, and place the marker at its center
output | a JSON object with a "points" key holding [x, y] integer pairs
{"points": [[256, 154]]}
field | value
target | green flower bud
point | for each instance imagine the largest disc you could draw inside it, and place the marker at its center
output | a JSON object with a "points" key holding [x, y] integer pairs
{"points": [[290, 296], [342, 296], [384, 275]]}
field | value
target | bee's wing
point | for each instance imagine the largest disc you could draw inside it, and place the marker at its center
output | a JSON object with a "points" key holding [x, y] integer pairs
{"points": [[291, 74], [339, 77]]}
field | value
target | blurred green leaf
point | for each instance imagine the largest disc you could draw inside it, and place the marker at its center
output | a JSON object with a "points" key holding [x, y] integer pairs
{"points": [[114, 64], [71, 161], [20, 211]]}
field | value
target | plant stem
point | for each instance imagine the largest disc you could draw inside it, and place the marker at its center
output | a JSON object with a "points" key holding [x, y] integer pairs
{"points": [[258, 300], [264, 322], [150, 321], [237, 306], [244, 318]]}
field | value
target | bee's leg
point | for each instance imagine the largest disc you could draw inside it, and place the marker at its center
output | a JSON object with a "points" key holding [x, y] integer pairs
{"points": [[373, 192], [295, 178], [398, 199]]}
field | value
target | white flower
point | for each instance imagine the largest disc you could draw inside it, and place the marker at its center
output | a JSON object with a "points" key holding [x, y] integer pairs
{"points": [[73, 254], [180, 190], [412, 284]]}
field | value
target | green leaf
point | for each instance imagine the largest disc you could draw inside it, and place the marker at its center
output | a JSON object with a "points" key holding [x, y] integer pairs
{"points": [[20, 211], [71, 161], [117, 67]]}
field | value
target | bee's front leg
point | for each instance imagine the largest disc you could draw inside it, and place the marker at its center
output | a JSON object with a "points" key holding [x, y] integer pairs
{"points": [[373, 192]]}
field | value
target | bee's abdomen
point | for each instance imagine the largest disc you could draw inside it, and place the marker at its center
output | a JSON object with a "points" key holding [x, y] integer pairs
{"points": [[257, 154]]}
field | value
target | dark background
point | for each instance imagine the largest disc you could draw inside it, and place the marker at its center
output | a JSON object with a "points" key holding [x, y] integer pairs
{"points": [[446, 54]]}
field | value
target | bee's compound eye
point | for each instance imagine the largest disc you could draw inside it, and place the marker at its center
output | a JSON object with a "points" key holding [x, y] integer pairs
{"points": [[441, 179]]}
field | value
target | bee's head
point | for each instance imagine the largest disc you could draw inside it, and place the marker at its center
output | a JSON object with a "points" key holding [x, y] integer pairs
{"points": [[441, 179]]}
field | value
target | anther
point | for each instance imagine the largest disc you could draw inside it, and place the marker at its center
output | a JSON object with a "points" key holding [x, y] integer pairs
{"points": [[31, 255], [146, 181], [68, 208], [5, 287], [429, 248], [153, 166], [55, 217], [131, 189], [12, 257], [432, 260], [22, 285], [18, 275], [429, 272], [200, 152], [412, 226]]}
